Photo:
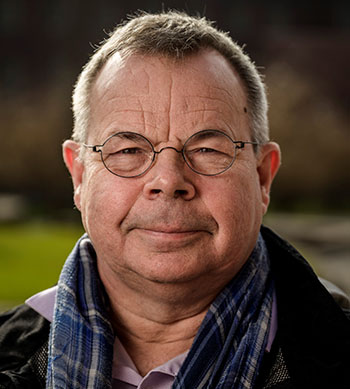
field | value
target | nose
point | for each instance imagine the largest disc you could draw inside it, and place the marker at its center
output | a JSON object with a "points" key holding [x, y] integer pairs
{"points": [[167, 178]]}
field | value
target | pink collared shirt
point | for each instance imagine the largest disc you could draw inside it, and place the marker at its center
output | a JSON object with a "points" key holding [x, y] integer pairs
{"points": [[126, 376], [124, 371]]}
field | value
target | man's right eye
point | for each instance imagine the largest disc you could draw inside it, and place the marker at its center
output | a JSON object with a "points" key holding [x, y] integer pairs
{"points": [[129, 150]]}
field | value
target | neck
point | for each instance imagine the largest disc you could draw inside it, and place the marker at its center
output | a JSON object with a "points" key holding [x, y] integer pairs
{"points": [[158, 322], [150, 342]]}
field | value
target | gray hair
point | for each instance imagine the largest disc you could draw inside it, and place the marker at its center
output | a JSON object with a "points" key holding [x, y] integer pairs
{"points": [[174, 35]]}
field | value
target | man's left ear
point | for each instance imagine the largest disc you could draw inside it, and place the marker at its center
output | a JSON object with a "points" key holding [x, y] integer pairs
{"points": [[269, 160], [75, 166]]}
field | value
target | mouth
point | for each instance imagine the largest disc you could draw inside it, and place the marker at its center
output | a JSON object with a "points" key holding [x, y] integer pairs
{"points": [[169, 237], [169, 228], [168, 231]]}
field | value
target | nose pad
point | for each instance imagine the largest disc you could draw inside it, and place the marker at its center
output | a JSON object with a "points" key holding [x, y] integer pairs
{"points": [[166, 178], [168, 147]]}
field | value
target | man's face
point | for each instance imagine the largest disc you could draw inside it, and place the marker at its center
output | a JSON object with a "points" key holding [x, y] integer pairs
{"points": [[171, 225]]}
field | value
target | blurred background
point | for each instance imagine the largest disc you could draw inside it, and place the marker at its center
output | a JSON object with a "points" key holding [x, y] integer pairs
{"points": [[302, 48]]}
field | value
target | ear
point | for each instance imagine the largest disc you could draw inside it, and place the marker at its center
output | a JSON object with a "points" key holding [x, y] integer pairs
{"points": [[269, 160], [75, 166]]}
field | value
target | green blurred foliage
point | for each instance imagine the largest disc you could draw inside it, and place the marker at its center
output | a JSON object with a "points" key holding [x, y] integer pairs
{"points": [[31, 257]]}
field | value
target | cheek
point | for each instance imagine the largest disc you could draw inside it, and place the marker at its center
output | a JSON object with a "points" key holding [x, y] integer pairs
{"points": [[236, 207], [106, 200]]}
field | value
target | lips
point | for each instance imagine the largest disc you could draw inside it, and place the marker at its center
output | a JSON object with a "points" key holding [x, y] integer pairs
{"points": [[170, 234], [169, 221], [160, 233], [169, 230], [172, 229]]}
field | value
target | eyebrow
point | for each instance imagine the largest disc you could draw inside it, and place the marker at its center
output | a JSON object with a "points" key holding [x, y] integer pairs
{"points": [[207, 133], [128, 135], [212, 133], [137, 137]]}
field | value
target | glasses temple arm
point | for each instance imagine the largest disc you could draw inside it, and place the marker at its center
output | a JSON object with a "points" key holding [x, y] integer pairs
{"points": [[95, 148], [240, 143]]}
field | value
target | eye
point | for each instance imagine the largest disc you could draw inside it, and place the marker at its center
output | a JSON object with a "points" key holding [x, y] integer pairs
{"points": [[203, 150], [130, 150], [206, 150]]}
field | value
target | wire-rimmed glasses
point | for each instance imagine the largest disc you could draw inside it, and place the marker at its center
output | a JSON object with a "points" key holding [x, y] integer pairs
{"points": [[129, 154]]}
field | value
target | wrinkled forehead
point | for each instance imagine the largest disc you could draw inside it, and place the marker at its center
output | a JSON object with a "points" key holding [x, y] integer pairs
{"points": [[158, 85], [207, 66]]}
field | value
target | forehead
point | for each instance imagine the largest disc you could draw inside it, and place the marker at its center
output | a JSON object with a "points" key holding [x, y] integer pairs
{"points": [[159, 94]]}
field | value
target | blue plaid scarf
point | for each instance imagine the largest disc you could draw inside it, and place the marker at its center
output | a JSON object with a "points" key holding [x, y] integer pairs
{"points": [[226, 353], [81, 337], [230, 344]]}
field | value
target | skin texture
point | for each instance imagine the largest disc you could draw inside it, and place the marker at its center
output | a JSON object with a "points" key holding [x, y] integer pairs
{"points": [[167, 242]]}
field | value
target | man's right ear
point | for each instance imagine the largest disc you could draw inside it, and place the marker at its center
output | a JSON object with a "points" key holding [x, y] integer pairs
{"points": [[75, 166]]}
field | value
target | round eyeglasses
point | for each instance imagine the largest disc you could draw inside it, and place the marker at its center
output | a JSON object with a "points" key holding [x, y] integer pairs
{"points": [[207, 152]]}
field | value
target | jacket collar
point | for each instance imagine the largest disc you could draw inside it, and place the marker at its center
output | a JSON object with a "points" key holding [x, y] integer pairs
{"points": [[314, 332]]}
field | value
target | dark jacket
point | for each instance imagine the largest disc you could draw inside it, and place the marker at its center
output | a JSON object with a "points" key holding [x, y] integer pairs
{"points": [[311, 348]]}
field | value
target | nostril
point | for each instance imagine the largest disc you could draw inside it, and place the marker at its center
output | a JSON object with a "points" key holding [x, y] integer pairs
{"points": [[180, 193], [155, 191]]}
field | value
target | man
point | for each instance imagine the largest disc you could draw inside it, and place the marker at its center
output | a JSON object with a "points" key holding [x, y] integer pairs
{"points": [[176, 283]]}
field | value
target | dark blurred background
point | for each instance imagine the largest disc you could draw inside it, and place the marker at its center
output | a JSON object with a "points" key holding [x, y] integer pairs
{"points": [[302, 48]]}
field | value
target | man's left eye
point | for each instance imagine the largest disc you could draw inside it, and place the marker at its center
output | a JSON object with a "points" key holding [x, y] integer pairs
{"points": [[132, 150], [207, 150]]}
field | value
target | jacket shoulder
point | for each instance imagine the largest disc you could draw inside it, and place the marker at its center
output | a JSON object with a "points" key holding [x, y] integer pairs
{"points": [[313, 330], [23, 342]]}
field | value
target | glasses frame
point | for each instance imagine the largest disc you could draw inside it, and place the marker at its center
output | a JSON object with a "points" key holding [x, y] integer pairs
{"points": [[238, 144]]}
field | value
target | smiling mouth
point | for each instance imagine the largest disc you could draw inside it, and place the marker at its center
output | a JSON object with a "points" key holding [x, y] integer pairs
{"points": [[169, 235], [170, 232]]}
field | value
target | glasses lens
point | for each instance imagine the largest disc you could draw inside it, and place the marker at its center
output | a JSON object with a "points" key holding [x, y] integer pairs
{"points": [[127, 154], [209, 152]]}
